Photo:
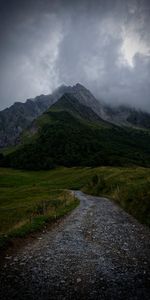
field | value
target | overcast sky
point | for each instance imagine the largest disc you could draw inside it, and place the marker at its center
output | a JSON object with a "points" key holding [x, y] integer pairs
{"points": [[103, 44]]}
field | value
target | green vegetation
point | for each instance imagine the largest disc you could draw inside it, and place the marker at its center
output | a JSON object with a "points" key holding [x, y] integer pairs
{"points": [[8, 150], [29, 199], [130, 188], [71, 134]]}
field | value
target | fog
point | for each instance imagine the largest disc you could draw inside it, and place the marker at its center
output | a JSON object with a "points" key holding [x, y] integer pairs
{"points": [[104, 45]]}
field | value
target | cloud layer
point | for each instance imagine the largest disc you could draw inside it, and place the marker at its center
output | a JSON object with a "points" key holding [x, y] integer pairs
{"points": [[104, 45]]}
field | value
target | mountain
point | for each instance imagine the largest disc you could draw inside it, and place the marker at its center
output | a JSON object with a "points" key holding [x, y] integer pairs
{"points": [[69, 102], [126, 116], [119, 115], [72, 134], [14, 120]]}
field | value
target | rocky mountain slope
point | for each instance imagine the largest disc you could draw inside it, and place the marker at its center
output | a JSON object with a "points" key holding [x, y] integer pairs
{"points": [[18, 117], [119, 115], [126, 116], [72, 134], [15, 119]]}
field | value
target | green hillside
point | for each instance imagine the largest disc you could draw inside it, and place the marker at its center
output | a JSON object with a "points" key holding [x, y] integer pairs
{"points": [[71, 134]]}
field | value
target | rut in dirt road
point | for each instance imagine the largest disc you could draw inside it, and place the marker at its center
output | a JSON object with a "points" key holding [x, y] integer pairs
{"points": [[97, 252]]}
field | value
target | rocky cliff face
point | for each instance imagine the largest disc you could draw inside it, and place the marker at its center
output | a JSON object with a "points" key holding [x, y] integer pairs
{"points": [[15, 119], [119, 115], [126, 116], [19, 116]]}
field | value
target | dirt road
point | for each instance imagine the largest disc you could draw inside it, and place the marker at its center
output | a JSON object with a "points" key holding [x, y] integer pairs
{"points": [[97, 252]]}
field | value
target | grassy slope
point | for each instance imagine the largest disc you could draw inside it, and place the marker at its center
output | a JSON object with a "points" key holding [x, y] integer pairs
{"points": [[70, 134], [129, 187], [81, 145], [29, 199]]}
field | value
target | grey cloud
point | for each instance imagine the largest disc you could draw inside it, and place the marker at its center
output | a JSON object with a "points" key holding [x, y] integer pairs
{"points": [[48, 43]]}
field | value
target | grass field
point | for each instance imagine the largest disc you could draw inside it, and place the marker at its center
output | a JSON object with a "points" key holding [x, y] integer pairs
{"points": [[29, 199], [129, 187]]}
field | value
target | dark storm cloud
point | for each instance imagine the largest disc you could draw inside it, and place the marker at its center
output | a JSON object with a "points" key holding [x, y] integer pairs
{"points": [[105, 45]]}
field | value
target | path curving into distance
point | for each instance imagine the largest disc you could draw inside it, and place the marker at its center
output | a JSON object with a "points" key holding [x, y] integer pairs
{"points": [[97, 252]]}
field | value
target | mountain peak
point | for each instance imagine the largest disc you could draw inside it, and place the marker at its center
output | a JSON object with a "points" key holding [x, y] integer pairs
{"points": [[71, 104], [19, 116], [79, 85]]}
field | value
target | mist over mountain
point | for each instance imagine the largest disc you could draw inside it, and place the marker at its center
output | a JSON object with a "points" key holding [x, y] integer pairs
{"points": [[19, 116], [70, 133]]}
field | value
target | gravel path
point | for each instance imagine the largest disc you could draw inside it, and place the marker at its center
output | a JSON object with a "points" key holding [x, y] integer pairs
{"points": [[97, 252]]}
